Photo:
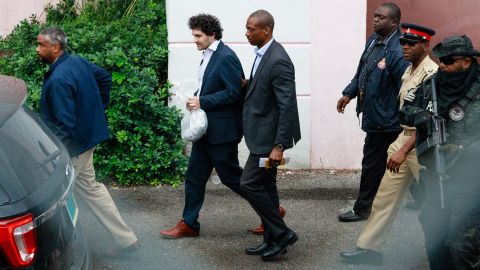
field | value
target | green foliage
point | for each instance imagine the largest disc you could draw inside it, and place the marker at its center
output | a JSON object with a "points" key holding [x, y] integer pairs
{"points": [[129, 39], [21, 60]]}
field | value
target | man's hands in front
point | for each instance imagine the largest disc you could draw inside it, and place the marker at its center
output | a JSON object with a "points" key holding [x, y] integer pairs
{"points": [[394, 162], [342, 103], [275, 157], [193, 103]]}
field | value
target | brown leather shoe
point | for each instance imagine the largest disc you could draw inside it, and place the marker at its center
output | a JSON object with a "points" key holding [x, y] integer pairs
{"points": [[116, 253], [260, 230], [179, 231]]}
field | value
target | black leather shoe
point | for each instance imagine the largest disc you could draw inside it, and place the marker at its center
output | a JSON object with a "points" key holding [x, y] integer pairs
{"points": [[351, 216], [362, 256], [258, 250], [280, 247]]}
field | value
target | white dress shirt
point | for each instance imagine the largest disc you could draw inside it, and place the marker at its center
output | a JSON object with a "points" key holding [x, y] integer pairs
{"points": [[206, 55], [259, 52]]}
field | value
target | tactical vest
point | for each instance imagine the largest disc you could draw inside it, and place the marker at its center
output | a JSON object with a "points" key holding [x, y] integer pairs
{"points": [[463, 136]]}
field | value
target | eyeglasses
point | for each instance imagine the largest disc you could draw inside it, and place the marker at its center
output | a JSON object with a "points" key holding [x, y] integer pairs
{"points": [[408, 42], [448, 60]]}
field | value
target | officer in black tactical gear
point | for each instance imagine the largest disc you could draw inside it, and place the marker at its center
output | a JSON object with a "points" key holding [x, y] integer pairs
{"points": [[446, 112]]}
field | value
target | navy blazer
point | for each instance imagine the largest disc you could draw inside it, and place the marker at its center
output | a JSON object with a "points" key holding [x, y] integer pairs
{"points": [[75, 94], [221, 96], [383, 84]]}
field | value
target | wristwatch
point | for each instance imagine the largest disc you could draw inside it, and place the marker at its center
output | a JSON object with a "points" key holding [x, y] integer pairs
{"points": [[279, 147]]}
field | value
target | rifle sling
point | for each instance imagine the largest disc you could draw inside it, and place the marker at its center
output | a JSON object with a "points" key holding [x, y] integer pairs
{"points": [[463, 102], [470, 95]]}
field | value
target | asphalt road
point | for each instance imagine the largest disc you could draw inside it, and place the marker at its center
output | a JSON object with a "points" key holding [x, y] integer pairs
{"points": [[313, 199]]}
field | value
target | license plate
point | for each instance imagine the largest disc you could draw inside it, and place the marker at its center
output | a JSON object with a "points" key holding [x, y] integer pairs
{"points": [[72, 209]]}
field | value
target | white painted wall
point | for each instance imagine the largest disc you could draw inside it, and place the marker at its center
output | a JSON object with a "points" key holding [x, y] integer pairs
{"points": [[292, 29], [324, 39]]}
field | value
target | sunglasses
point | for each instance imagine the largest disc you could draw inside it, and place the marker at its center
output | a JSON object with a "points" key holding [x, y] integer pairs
{"points": [[408, 42], [448, 60]]}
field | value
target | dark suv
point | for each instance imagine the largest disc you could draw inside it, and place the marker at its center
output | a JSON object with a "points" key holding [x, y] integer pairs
{"points": [[38, 212]]}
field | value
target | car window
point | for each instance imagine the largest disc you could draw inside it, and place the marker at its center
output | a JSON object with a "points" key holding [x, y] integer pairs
{"points": [[13, 93], [26, 151]]}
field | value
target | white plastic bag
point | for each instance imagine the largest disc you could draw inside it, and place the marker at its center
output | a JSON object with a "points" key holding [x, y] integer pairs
{"points": [[194, 125], [180, 92]]}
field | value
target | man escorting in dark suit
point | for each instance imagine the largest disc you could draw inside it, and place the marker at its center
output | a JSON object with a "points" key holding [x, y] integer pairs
{"points": [[220, 96], [270, 125]]}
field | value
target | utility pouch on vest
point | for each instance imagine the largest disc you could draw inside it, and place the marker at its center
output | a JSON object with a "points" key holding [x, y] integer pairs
{"points": [[423, 123]]}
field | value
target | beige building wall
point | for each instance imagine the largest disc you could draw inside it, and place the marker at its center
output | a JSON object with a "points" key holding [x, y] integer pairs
{"points": [[14, 11], [338, 39], [446, 17]]}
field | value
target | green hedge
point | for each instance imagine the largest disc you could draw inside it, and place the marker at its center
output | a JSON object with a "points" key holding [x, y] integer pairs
{"points": [[129, 39]]}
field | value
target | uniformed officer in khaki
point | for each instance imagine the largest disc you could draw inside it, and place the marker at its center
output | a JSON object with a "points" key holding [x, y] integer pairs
{"points": [[402, 165]]}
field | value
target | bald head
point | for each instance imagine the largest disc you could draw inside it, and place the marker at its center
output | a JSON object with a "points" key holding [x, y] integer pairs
{"points": [[395, 12], [264, 18]]}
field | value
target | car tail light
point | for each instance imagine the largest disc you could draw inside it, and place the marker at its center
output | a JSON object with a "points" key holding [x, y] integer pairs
{"points": [[18, 240]]}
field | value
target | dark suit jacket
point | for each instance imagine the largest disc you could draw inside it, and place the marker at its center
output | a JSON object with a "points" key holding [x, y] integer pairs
{"points": [[221, 96], [270, 113]]}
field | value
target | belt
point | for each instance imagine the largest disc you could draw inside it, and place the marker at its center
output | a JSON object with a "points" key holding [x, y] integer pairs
{"points": [[408, 132]]}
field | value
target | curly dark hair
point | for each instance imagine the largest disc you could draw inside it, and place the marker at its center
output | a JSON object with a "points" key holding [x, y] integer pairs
{"points": [[207, 23]]}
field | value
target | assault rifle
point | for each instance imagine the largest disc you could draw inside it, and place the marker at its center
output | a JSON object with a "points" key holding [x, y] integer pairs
{"points": [[439, 137]]}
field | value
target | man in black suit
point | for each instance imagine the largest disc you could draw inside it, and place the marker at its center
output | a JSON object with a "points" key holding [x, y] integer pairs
{"points": [[220, 96], [270, 125]]}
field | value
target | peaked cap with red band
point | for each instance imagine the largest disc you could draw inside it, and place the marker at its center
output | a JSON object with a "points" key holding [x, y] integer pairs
{"points": [[416, 32]]}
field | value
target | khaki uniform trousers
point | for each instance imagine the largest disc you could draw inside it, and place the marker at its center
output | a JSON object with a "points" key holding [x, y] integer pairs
{"points": [[392, 191], [96, 197]]}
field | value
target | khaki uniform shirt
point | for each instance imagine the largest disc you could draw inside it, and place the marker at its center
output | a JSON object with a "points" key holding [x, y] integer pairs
{"points": [[411, 80]]}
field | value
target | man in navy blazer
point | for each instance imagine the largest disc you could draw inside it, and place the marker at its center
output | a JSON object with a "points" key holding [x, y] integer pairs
{"points": [[75, 94], [271, 125], [220, 96]]}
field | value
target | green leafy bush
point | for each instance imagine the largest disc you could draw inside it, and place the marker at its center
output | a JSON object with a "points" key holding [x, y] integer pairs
{"points": [[129, 39]]}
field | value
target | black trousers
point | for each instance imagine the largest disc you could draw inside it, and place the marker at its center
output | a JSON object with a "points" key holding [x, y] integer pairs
{"points": [[259, 187], [203, 158], [452, 234], [417, 190], [374, 163]]}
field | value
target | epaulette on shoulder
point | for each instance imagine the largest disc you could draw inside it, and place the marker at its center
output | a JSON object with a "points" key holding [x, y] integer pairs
{"points": [[430, 71]]}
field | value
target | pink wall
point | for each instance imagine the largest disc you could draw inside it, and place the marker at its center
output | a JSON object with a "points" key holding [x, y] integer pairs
{"points": [[446, 17], [13, 11], [339, 31], [338, 38]]}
